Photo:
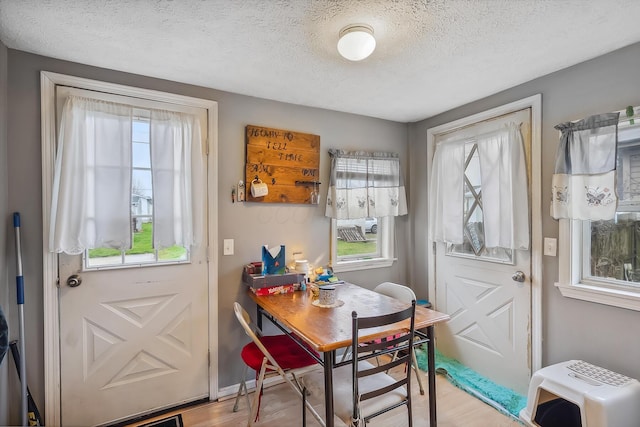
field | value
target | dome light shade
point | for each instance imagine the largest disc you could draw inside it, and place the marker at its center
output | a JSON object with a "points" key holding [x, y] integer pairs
{"points": [[356, 42]]}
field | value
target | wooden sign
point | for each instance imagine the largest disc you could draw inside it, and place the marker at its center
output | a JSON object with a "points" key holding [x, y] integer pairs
{"points": [[288, 162]]}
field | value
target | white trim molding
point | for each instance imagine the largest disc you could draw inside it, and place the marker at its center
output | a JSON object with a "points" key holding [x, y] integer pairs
{"points": [[48, 83], [601, 295], [49, 259], [535, 103]]}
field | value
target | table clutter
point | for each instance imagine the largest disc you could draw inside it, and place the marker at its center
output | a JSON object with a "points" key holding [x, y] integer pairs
{"points": [[272, 276], [270, 284]]}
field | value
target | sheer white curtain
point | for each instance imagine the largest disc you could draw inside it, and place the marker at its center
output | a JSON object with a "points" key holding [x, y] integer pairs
{"points": [[505, 199], [176, 159], [446, 191], [583, 185], [365, 184], [503, 184], [91, 202]]}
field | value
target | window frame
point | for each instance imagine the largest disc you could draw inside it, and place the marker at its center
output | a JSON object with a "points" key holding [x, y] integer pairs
{"points": [[386, 237], [572, 282]]}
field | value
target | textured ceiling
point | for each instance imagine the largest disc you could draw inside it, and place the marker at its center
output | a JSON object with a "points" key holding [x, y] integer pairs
{"points": [[432, 55]]}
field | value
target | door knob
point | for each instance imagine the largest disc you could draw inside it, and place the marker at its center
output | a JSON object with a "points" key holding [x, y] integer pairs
{"points": [[518, 276], [74, 281]]}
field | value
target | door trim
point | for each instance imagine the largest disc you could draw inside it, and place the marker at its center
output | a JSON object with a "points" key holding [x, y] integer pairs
{"points": [[48, 82], [535, 103]]}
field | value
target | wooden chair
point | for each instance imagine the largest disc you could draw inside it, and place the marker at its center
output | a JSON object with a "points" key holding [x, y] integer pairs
{"points": [[405, 294], [362, 390], [270, 356]]}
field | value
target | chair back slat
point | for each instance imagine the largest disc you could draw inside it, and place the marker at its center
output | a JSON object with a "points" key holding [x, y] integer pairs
{"points": [[383, 367], [383, 390], [384, 319], [397, 343]]}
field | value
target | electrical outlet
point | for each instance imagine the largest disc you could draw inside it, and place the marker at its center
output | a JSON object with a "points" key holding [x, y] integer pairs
{"points": [[228, 247], [550, 246]]}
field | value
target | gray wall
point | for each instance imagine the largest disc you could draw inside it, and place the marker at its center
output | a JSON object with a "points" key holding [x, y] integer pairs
{"points": [[4, 226], [300, 228], [572, 329]]}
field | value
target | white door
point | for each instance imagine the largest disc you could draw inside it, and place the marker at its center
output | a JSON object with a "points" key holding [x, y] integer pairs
{"points": [[486, 292], [134, 332], [132, 340]]}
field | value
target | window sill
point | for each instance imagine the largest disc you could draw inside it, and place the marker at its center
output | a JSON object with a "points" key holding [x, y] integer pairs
{"points": [[362, 264], [614, 297]]}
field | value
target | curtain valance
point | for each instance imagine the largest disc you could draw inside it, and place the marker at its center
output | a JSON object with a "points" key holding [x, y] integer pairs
{"points": [[583, 186], [365, 184]]}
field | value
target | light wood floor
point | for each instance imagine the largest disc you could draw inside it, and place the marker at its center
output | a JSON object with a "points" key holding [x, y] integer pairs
{"points": [[281, 408]]}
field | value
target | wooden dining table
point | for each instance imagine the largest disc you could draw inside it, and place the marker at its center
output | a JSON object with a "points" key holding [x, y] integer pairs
{"points": [[329, 329]]}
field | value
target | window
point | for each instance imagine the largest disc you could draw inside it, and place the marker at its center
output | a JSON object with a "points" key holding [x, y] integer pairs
{"points": [[362, 243], [365, 194], [142, 251], [600, 260], [473, 245], [357, 238], [141, 166]]}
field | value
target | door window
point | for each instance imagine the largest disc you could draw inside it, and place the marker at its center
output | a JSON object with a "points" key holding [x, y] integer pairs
{"points": [[142, 251], [162, 149], [473, 235]]}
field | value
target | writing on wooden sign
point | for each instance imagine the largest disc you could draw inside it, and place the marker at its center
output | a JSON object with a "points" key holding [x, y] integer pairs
{"points": [[288, 162]]}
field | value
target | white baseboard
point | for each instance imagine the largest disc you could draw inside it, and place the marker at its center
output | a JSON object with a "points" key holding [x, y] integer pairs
{"points": [[231, 391]]}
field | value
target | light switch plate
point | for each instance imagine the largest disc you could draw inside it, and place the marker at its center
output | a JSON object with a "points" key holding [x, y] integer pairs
{"points": [[228, 247], [550, 246]]}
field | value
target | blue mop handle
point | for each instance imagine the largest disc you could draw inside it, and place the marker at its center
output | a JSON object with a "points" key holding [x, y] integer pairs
{"points": [[19, 277], [20, 295]]}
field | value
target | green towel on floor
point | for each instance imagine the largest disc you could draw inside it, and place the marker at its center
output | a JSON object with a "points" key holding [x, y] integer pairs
{"points": [[502, 398]]}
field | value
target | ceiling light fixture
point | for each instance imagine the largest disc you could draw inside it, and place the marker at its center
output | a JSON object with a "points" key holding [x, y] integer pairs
{"points": [[356, 42]]}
